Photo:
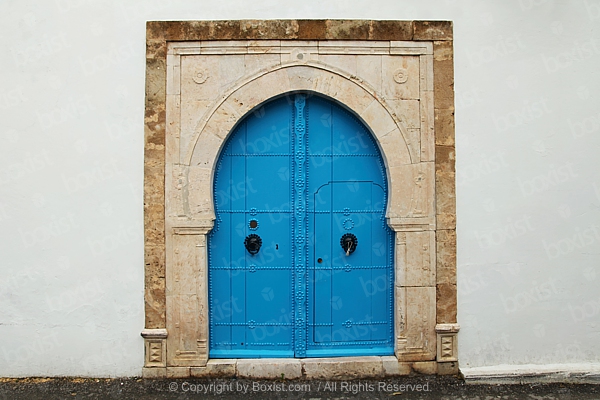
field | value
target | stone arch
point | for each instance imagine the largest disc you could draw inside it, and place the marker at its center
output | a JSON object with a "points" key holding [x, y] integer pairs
{"points": [[355, 95]]}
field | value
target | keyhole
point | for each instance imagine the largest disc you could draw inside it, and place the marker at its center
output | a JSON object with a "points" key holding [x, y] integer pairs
{"points": [[276, 246], [320, 260]]}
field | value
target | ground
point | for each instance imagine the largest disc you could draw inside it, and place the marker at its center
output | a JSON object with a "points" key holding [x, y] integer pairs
{"points": [[412, 387]]}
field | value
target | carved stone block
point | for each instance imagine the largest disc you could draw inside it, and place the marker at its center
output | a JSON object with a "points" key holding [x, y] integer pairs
{"points": [[415, 327], [400, 77], [447, 348], [412, 190], [415, 259], [155, 347]]}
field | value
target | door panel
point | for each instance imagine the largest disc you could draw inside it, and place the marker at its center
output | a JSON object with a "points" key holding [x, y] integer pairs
{"points": [[307, 172]]}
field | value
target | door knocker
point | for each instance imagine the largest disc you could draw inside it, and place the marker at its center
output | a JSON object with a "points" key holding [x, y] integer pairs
{"points": [[349, 243], [253, 243]]}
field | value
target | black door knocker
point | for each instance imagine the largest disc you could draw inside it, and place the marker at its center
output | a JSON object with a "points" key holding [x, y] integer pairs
{"points": [[253, 243], [349, 243]]}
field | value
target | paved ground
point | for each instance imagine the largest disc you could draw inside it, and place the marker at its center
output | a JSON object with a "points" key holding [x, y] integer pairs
{"points": [[417, 387]]}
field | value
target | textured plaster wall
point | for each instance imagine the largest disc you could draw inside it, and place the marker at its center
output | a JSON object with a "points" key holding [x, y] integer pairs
{"points": [[71, 175]]}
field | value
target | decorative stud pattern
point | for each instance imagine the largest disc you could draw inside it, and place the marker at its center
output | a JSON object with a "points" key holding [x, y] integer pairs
{"points": [[300, 223], [348, 224]]}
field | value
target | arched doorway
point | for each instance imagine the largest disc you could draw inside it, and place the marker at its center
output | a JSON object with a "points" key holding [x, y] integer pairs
{"points": [[300, 258]]}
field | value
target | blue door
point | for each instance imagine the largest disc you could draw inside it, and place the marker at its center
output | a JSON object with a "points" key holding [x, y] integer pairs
{"points": [[300, 258]]}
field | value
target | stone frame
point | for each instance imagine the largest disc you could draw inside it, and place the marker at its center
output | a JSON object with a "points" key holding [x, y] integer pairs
{"points": [[419, 154]]}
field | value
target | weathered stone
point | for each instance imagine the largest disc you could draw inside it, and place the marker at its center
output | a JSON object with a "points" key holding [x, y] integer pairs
{"points": [[187, 30], [443, 84], [218, 368], [272, 368], [309, 29], [392, 367], [380, 120], [224, 30], [444, 127], [338, 29], [432, 30], [154, 373], [415, 259], [178, 372], [270, 29], [446, 221], [154, 296], [412, 190], [446, 303], [391, 30], [156, 75], [443, 50], [427, 126], [445, 158], [447, 368], [155, 30], [445, 193], [415, 324], [446, 256], [156, 49], [351, 367], [425, 367]]}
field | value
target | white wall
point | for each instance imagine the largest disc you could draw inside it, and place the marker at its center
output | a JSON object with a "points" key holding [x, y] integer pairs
{"points": [[71, 174]]}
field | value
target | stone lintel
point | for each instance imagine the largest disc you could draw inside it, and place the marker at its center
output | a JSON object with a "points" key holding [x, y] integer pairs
{"points": [[286, 29]]}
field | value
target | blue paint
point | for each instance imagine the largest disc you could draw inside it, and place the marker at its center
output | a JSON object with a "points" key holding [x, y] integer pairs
{"points": [[307, 171]]}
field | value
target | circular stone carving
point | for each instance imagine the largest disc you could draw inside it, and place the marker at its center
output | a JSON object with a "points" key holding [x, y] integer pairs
{"points": [[200, 77], [400, 75], [299, 55]]}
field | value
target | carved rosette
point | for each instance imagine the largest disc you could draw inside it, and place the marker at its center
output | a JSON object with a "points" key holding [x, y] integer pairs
{"points": [[400, 75], [200, 76]]}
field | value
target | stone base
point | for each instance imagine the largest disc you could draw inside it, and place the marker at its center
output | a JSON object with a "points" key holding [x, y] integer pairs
{"points": [[349, 368], [274, 368], [154, 373], [447, 368], [308, 368], [221, 368]]}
